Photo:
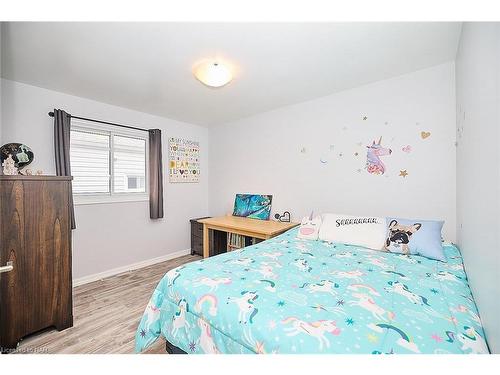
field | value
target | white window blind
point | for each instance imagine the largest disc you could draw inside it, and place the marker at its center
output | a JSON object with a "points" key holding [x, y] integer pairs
{"points": [[129, 164], [90, 162], [107, 164]]}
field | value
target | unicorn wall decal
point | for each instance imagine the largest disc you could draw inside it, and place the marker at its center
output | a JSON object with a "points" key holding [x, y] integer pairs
{"points": [[373, 163]]}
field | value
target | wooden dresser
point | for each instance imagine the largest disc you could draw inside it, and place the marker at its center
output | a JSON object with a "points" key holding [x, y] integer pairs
{"points": [[35, 256]]}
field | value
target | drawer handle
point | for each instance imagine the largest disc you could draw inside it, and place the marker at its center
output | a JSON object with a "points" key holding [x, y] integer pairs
{"points": [[7, 268]]}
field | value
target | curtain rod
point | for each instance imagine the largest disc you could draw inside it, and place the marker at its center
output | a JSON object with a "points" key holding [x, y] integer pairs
{"points": [[51, 114]]}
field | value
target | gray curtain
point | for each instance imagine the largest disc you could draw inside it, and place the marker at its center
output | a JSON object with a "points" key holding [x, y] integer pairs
{"points": [[155, 175], [62, 128]]}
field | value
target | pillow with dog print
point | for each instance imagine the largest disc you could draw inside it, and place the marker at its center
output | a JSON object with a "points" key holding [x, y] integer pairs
{"points": [[309, 228], [415, 237], [365, 231]]}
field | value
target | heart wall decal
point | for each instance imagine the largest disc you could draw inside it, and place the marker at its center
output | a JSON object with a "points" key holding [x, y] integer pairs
{"points": [[425, 135], [285, 218]]}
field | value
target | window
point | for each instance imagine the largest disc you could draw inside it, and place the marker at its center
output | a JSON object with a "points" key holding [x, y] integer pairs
{"points": [[107, 163]]}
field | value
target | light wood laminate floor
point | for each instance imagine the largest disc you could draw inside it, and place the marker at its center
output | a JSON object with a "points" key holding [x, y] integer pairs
{"points": [[106, 314]]}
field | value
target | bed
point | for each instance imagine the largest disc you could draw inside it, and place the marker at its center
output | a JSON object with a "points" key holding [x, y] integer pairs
{"points": [[287, 295]]}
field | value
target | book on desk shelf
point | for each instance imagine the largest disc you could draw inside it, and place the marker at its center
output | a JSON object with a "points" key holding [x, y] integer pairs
{"points": [[238, 241]]}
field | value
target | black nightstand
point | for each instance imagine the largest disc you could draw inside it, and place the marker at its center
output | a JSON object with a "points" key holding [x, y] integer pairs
{"points": [[218, 240], [197, 236]]}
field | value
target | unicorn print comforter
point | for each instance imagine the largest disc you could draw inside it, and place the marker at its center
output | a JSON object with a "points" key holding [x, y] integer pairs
{"points": [[287, 295]]}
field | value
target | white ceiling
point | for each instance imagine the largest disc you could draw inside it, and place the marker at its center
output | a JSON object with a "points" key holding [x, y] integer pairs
{"points": [[147, 66]]}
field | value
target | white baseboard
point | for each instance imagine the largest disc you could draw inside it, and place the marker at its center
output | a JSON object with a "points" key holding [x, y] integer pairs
{"points": [[129, 267]]}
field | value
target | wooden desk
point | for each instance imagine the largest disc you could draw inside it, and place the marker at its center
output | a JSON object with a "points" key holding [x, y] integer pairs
{"points": [[263, 229]]}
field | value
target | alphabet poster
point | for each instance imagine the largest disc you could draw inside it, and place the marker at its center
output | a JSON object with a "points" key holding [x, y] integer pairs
{"points": [[184, 160]]}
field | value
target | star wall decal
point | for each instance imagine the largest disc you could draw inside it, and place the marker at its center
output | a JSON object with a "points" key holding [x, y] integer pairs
{"points": [[403, 173]]}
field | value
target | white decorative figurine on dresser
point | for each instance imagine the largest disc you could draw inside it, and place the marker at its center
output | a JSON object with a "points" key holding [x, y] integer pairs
{"points": [[9, 166]]}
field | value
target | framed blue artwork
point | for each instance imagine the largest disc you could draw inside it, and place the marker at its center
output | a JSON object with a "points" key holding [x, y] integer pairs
{"points": [[253, 206]]}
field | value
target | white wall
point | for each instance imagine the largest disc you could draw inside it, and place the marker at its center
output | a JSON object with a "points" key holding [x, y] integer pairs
{"points": [[262, 154], [478, 172], [109, 235]]}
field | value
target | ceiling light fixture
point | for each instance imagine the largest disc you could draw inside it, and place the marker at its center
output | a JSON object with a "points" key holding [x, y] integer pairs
{"points": [[213, 74]]}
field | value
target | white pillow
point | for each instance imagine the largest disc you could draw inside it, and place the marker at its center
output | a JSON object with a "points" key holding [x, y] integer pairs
{"points": [[309, 228], [366, 231]]}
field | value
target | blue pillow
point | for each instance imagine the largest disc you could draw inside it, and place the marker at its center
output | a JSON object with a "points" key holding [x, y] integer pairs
{"points": [[415, 237]]}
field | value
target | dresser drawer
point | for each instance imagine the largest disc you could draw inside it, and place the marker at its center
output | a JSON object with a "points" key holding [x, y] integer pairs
{"points": [[196, 245], [197, 229], [197, 236], [197, 242]]}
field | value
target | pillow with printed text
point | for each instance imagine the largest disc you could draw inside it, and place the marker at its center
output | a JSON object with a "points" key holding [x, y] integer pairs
{"points": [[365, 231]]}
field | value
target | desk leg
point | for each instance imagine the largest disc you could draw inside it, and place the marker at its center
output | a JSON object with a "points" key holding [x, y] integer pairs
{"points": [[206, 242]]}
